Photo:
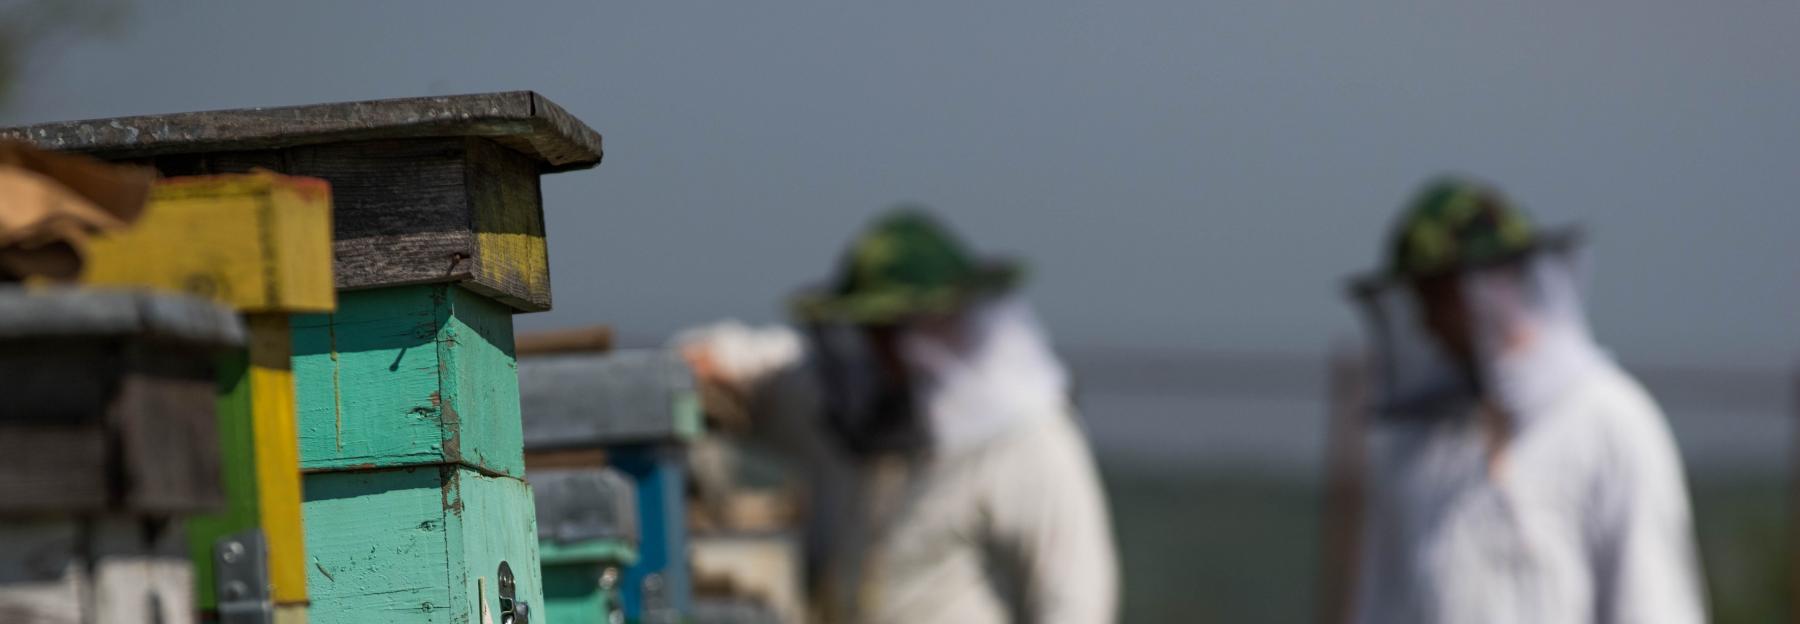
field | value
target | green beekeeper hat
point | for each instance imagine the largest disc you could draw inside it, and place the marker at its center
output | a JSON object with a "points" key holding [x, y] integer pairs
{"points": [[905, 264], [1456, 224]]}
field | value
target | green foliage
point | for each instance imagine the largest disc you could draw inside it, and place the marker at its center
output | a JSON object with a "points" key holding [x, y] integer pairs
{"points": [[1743, 531]]}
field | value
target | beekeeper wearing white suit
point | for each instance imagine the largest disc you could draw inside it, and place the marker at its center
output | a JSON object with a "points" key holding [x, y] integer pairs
{"points": [[949, 480], [1517, 474]]}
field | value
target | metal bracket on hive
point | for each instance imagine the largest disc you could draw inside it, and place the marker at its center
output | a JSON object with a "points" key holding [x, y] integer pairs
{"points": [[241, 573]]}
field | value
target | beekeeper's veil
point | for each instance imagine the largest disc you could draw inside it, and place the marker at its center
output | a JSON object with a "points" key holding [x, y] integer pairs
{"points": [[905, 275], [1475, 303]]}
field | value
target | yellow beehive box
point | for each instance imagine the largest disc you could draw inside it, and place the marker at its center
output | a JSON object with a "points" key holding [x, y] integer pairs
{"points": [[259, 242]]}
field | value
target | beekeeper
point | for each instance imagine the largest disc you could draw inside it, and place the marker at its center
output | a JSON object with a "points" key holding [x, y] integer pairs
{"points": [[1517, 473], [949, 479]]}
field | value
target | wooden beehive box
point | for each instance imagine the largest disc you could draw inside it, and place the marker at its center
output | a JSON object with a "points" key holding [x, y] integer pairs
{"points": [[407, 393], [109, 401], [255, 242], [107, 441]]}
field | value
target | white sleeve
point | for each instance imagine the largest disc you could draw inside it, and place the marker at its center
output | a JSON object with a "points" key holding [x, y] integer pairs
{"points": [[1050, 513], [1645, 562], [766, 367], [748, 356]]}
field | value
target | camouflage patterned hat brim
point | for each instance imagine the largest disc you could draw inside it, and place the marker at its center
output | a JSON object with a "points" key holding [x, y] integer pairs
{"points": [[1543, 240], [898, 303], [1454, 224], [1372, 283]]}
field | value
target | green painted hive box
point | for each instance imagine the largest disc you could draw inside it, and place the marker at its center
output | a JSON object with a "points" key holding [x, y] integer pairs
{"points": [[420, 545], [409, 376]]}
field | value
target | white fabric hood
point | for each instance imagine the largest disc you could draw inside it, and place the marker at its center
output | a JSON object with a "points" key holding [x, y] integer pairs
{"points": [[992, 369]]}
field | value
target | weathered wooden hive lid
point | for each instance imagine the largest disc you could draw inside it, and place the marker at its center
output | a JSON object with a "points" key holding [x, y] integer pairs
{"points": [[585, 504], [49, 313], [521, 120], [606, 399]]}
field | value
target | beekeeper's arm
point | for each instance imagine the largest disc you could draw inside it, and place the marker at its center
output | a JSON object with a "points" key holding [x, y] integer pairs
{"points": [[1048, 518], [1642, 536], [735, 363]]}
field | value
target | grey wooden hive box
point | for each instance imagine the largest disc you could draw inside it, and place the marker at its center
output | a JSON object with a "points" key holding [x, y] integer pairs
{"points": [[607, 399], [575, 505], [434, 189], [106, 401]]}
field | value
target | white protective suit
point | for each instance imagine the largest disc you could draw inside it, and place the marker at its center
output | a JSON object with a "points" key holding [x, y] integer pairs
{"points": [[1572, 509], [1003, 520]]}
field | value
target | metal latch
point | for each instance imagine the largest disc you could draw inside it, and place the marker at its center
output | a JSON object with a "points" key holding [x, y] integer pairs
{"points": [[241, 578], [609, 587], [512, 610]]}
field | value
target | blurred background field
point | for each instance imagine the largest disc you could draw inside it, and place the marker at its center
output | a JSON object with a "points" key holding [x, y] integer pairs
{"points": [[1235, 547], [1220, 520]]}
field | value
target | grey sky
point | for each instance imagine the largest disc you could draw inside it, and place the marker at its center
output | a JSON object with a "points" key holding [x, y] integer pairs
{"points": [[1184, 174]]}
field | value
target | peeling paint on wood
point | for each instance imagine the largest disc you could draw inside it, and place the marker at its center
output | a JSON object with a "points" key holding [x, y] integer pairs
{"points": [[416, 545], [415, 375]]}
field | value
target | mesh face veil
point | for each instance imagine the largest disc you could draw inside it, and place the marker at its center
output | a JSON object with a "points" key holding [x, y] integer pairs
{"points": [[869, 410], [1413, 375], [969, 376], [1530, 330], [1513, 333]]}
